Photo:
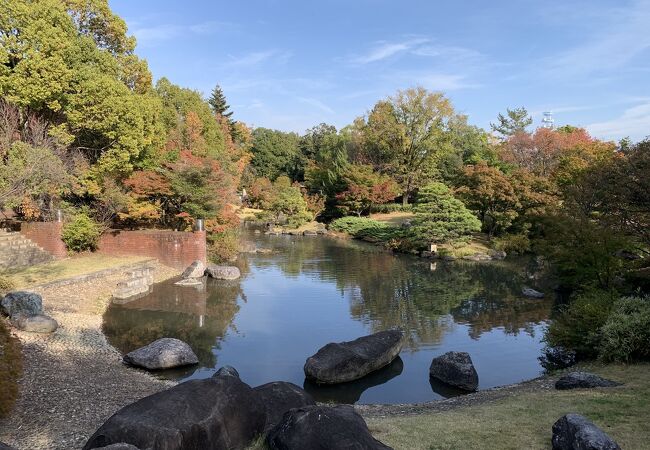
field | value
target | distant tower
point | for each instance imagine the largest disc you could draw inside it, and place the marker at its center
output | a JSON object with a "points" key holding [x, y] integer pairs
{"points": [[547, 121]]}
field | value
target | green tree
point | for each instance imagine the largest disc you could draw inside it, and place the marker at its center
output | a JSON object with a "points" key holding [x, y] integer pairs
{"points": [[408, 132], [288, 202], [275, 153], [514, 121], [439, 217], [217, 102]]}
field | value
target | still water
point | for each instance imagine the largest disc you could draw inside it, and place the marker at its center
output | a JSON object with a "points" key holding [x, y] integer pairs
{"points": [[308, 291]]}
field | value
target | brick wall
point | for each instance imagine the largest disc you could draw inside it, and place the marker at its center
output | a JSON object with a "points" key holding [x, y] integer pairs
{"points": [[174, 248], [46, 235]]}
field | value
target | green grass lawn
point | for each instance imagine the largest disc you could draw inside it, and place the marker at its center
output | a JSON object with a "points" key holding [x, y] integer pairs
{"points": [[524, 421], [66, 268]]}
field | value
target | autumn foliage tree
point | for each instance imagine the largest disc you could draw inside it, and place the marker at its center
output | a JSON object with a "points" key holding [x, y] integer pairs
{"points": [[365, 188]]}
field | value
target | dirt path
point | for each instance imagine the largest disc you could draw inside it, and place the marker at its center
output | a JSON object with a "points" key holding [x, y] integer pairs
{"points": [[73, 379]]}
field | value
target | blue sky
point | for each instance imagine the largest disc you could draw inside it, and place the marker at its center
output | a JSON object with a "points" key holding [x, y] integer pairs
{"points": [[293, 64]]}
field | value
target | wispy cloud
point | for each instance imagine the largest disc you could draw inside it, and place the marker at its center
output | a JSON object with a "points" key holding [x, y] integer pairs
{"points": [[435, 81], [385, 50], [316, 103], [256, 58], [609, 48], [150, 35], [634, 122]]}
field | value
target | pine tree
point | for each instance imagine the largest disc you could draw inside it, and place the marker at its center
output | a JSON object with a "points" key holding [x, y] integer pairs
{"points": [[441, 218], [515, 120], [218, 103]]}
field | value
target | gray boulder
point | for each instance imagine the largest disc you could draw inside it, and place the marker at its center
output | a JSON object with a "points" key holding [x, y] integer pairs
{"points": [[194, 270], [226, 371], [217, 413], [532, 293], [164, 353], [34, 324], [120, 446], [222, 272], [4, 446], [574, 432], [554, 358], [21, 302], [322, 427], [581, 380], [455, 369], [347, 361], [497, 254], [279, 397]]}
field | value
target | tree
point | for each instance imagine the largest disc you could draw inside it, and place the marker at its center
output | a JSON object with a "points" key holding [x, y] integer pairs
{"points": [[441, 218], [275, 153], [489, 193], [515, 121], [288, 201], [364, 188], [217, 102], [408, 132]]}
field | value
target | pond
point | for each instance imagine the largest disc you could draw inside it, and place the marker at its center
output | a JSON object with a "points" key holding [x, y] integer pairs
{"points": [[308, 291]]}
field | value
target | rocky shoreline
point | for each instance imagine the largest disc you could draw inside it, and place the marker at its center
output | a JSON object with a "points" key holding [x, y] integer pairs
{"points": [[74, 379]]}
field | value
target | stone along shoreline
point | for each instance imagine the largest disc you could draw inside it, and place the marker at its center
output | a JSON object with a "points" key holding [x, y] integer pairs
{"points": [[74, 379]]}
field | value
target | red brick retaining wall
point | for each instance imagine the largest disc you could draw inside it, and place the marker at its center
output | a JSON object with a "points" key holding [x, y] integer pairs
{"points": [[46, 235], [174, 248]]}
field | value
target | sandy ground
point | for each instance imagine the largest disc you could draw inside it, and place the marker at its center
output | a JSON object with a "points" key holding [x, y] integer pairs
{"points": [[73, 379]]}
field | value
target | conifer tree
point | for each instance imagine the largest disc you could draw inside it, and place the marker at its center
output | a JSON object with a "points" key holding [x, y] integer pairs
{"points": [[218, 102]]}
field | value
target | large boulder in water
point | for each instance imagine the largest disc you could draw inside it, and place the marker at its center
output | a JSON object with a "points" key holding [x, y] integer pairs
{"points": [[222, 272], [219, 413], [279, 397], [34, 324], [347, 361], [164, 353], [582, 380], [21, 302], [455, 369], [194, 270], [226, 371], [322, 427], [574, 432]]}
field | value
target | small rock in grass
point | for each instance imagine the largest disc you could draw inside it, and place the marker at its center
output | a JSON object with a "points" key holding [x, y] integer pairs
{"points": [[455, 369], [34, 324], [581, 380], [21, 302], [574, 432], [528, 292], [164, 353]]}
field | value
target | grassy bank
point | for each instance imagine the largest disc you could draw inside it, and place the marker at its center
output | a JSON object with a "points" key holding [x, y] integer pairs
{"points": [[70, 267], [524, 421]]}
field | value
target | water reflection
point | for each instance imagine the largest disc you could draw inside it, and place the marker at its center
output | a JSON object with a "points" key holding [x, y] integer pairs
{"points": [[308, 291]]}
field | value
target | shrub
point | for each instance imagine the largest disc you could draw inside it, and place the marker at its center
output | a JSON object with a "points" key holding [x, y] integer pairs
{"points": [[513, 243], [11, 369], [578, 326], [353, 225], [82, 233], [387, 208], [223, 246], [626, 334], [6, 285]]}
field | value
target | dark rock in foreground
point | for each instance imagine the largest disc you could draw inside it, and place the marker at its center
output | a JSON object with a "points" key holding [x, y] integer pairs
{"points": [[34, 324], [574, 432], [226, 371], [164, 353], [347, 361], [455, 369], [120, 446], [579, 380], [222, 272], [22, 303], [279, 397], [217, 413], [4, 446], [321, 427], [194, 270]]}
